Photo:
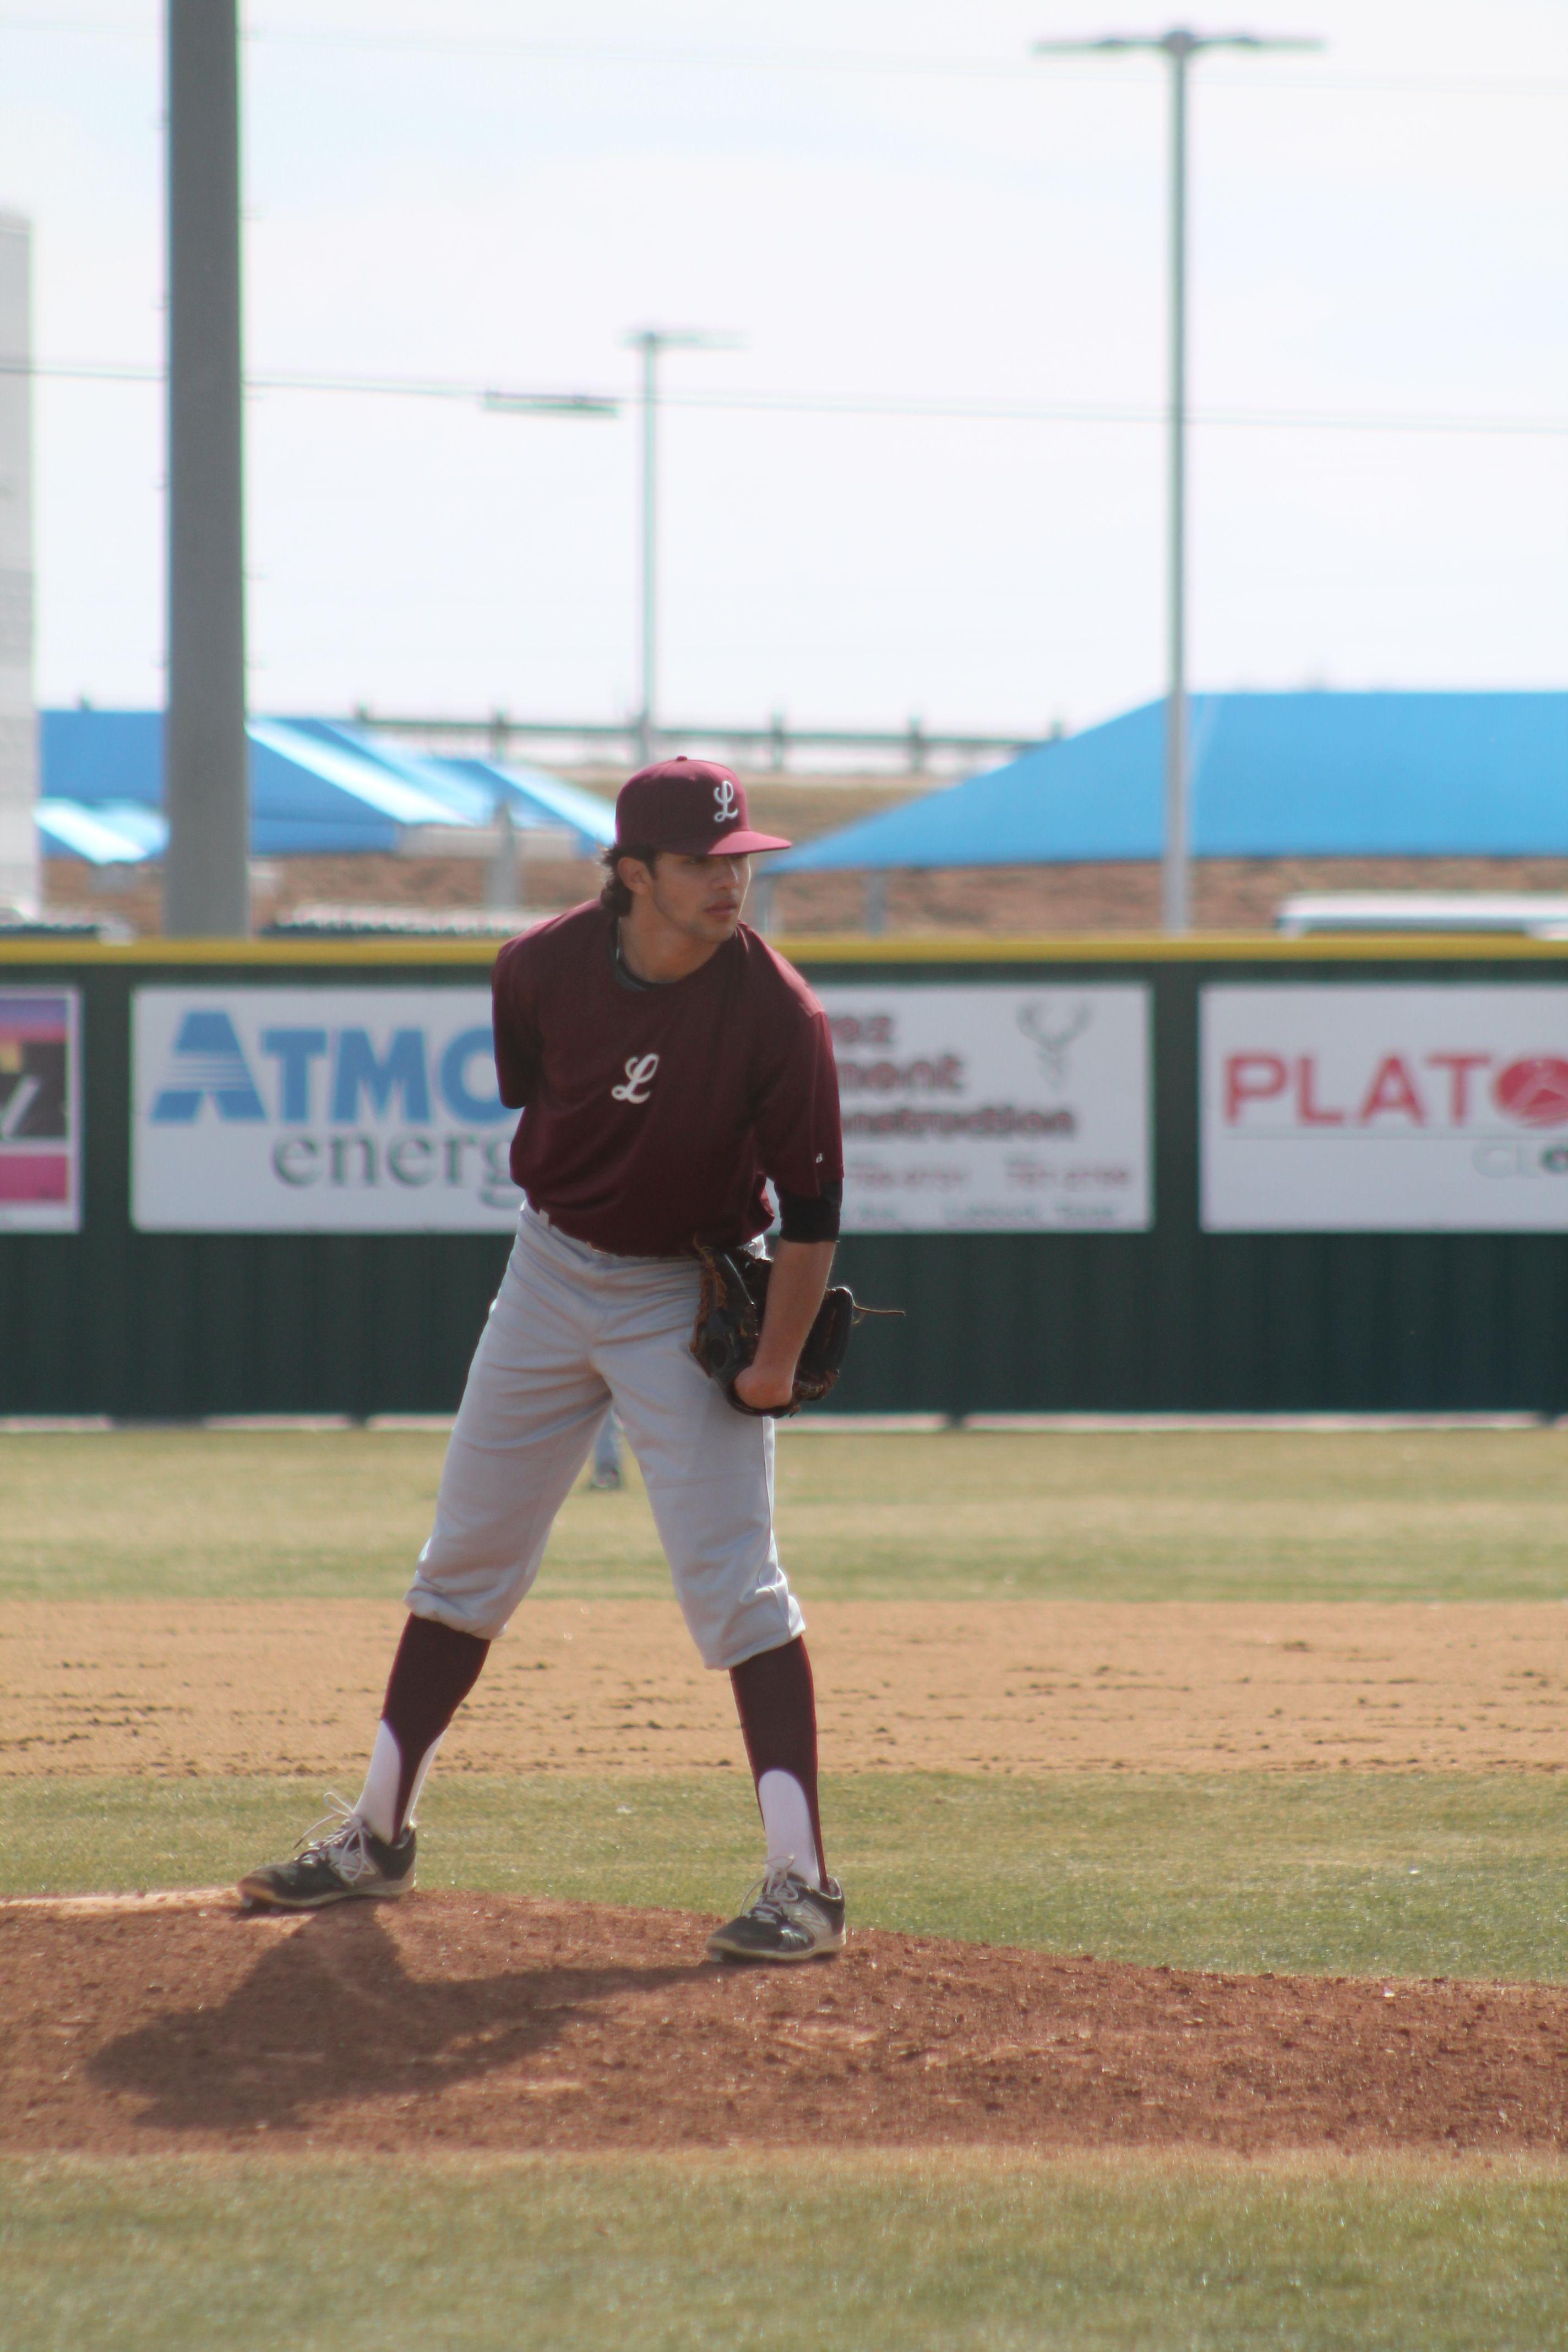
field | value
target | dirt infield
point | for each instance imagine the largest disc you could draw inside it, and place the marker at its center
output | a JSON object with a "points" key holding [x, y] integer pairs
{"points": [[996, 1686], [473, 2020]]}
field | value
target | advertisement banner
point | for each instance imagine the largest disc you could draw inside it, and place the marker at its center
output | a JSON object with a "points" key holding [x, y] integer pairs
{"points": [[979, 1109], [40, 1118], [1431, 1108], [318, 1110]]}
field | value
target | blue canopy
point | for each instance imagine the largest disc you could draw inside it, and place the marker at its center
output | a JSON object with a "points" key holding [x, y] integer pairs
{"points": [[1274, 775], [315, 786]]}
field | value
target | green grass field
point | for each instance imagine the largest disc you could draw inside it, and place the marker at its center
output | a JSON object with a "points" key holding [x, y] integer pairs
{"points": [[1344, 1872], [878, 2254], [1337, 1874], [1419, 1516]]}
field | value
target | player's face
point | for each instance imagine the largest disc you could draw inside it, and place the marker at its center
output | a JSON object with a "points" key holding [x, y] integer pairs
{"points": [[701, 897]]}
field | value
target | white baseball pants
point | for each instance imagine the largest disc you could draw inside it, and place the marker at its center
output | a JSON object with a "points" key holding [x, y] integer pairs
{"points": [[573, 1329]]}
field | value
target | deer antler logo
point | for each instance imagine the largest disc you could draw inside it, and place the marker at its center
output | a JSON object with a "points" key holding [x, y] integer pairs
{"points": [[1051, 1032]]}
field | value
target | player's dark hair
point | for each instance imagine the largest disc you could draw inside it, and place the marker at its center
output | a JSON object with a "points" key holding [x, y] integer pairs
{"points": [[614, 898]]}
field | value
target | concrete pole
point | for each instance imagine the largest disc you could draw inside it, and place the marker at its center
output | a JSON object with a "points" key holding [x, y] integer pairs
{"points": [[502, 889], [648, 718], [18, 718], [1175, 871], [206, 794]]}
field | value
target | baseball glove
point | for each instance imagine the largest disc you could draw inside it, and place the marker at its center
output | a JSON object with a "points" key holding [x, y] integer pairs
{"points": [[730, 1321]]}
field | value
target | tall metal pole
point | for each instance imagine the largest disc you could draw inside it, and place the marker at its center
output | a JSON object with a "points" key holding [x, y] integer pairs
{"points": [[647, 722], [1178, 48], [651, 342], [1175, 884], [206, 775], [19, 868]]}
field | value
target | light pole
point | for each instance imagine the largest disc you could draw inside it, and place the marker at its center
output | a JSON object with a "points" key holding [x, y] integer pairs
{"points": [[503, 879], [206, 785], [651, 342], [1178, 48]]}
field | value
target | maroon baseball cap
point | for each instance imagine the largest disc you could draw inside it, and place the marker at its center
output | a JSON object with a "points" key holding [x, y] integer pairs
{"points": [[692, 806]]}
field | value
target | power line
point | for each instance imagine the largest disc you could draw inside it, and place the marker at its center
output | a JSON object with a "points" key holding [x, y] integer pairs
{"points": [[807, 61], [913, 407], [1032, 412]]}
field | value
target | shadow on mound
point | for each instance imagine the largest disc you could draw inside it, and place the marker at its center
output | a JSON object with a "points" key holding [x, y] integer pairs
{"points": [[330, 2015]]}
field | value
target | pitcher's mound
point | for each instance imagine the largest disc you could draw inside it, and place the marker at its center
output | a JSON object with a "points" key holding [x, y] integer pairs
{"points": [[472, 2021]]}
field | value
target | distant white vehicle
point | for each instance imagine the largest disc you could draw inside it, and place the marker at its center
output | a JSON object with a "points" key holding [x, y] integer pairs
{"points": [[1533, 915]]}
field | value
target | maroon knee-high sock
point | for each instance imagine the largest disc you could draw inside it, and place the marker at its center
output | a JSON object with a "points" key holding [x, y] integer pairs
{"points": [[777, 1701], [433, 1671]]}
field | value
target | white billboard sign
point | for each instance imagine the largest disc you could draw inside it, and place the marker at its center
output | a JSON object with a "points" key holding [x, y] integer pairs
{"points": [[318, 1110], [1385, 1109], [986, 1110]]}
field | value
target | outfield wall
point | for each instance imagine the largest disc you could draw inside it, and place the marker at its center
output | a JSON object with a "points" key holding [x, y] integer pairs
{"points": [[1132, 1175]]}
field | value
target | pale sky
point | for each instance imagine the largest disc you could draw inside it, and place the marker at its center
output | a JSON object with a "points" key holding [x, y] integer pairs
{"points": [[889, 202]]}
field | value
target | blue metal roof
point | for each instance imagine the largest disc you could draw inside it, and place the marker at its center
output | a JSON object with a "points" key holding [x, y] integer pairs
{"points": [[466, 790], [106, 833], [316, 786], [1274, 775], [537, 798], [99, 755]]}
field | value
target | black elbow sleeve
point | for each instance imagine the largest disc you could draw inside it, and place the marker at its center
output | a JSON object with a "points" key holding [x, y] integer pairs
{"points": [[810, 1217]]}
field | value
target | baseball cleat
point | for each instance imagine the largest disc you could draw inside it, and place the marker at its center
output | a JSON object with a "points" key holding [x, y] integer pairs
{"points": [[350, 1862], [782, 1918]]}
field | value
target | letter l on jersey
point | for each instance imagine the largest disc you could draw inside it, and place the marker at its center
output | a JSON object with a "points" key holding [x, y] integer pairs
{"points": [[640, 1068]]}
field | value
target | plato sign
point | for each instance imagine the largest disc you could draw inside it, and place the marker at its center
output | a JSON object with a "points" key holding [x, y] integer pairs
{"points": [[1385, 1109], [994, 1110]]}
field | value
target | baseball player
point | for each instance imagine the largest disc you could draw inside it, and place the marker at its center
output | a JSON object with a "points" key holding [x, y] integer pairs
{"points": [[605, 1474], [666, 1062]]}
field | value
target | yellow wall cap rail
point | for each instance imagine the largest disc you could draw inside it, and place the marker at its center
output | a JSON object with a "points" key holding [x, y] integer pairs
{"points": [[916, 948]]}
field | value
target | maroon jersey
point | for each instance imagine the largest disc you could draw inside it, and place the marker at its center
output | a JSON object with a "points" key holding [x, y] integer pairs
{"points": [[652, 1115]]}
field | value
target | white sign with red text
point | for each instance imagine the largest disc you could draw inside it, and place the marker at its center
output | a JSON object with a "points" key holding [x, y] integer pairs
{"points": [[994, 1110], [1385, 1109]]}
